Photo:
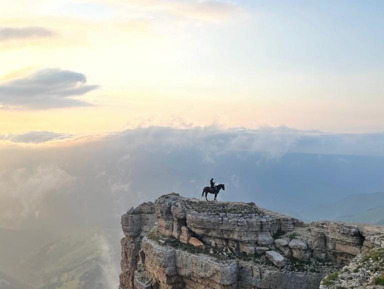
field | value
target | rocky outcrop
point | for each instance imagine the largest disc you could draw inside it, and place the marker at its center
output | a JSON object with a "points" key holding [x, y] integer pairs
{"points": [[135, 223], [186, 243]]}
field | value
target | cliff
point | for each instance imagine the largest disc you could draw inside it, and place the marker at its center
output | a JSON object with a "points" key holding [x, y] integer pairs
{"points": [[186, 243]]}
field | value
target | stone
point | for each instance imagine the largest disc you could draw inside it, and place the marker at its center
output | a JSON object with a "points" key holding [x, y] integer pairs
{"points": [[281, 242], [261, 250], [349, 249], [319, 254], [195, 242], [301, 254], [247, 248], [141, 281], [298, 244], [265, 239], [287, 252], [275, 258], [185, 235], [206, 268]]}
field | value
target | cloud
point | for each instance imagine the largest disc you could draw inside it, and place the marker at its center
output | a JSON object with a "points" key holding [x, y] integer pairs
{"points": [[113, 173], [17, 33], [93, 183], [35, 137], [207, 10], [47, 88], [24, 190], [109, 257], [201, 10]]}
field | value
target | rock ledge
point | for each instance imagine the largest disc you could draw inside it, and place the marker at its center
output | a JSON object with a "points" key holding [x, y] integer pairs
{"points": [[186, 243]]}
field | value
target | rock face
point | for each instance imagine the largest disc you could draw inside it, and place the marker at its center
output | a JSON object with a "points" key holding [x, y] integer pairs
{"points": [[187, 243], [136, 223]]}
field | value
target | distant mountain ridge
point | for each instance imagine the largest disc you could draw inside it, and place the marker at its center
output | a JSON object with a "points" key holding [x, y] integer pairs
{"points": [[359, 208], [370, 216]]}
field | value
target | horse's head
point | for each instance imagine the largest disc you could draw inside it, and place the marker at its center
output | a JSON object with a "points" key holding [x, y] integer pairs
{"points": [[222, 186]]}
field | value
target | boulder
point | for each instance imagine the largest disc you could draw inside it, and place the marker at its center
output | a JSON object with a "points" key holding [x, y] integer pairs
{"points": [[275, 258], [281, 242], [298, 244], [195, 242]]}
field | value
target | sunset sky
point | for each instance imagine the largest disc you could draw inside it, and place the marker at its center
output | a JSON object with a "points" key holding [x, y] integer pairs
{"points": [[105, 104], [99, 66]]}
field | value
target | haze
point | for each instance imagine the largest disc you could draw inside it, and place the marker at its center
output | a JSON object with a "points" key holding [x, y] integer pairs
{"points": [[106, 104]]}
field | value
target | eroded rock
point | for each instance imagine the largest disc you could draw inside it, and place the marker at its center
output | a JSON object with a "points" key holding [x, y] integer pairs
{"points": [[187, 243]]}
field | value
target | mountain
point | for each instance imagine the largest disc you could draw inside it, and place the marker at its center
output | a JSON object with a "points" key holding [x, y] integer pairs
{"points": [[370, 216], [360, 208], [179, 242]]}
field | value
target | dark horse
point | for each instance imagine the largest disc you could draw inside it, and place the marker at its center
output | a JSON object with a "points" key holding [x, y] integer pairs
{"points": [[207, 190]]}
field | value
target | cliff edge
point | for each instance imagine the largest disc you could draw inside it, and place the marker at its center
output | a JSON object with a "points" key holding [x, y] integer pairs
{"points": [[178, 242]]}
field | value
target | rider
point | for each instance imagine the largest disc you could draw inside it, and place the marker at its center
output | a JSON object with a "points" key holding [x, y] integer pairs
{"points": [[212, 185]]}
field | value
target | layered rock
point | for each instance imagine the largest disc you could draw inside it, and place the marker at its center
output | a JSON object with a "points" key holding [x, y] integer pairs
{"points": [[199, 244], [135, 223]]}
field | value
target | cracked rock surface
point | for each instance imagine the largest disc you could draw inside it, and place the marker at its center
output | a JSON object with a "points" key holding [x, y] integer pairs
{"points": [[177, 242]]}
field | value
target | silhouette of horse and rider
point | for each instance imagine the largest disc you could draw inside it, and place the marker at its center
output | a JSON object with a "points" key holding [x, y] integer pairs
{"points": [[213, 189]]}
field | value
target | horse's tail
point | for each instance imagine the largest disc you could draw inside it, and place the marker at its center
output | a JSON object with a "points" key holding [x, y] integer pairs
{"points": [[203, 192]]}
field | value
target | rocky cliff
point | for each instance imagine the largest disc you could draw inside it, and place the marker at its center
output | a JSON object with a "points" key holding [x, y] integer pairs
{"points": [[186, 243]]}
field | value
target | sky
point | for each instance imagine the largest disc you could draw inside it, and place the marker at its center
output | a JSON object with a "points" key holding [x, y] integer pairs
{"points": [[91, 67], [108, 103]]}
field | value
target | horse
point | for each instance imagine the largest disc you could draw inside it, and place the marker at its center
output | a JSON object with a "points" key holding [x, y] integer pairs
{"points": [[207, 190]]}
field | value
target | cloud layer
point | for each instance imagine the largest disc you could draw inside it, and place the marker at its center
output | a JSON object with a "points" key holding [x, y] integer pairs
{"points": [[35, 137], [47, 88], [93, 183], [25, 191], [17, 33], [280, 168]]}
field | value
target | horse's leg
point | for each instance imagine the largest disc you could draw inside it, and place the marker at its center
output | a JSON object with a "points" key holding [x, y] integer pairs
{"points": [[206, 196], [215, 196]]}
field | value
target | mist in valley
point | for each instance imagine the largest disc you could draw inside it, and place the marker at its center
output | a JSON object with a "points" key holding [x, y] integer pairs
{"points": [[60, 206]]}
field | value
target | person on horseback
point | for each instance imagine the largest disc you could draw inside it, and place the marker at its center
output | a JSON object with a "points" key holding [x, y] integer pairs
{"points": [[213, 189], [212, 185]]}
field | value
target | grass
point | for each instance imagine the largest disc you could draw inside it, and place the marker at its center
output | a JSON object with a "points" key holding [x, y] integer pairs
{"points": [[154, 236], [379, 280], [278, 234], [375, 255], [293, 235], [221, 207], [331, 278], [299, 265]]}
